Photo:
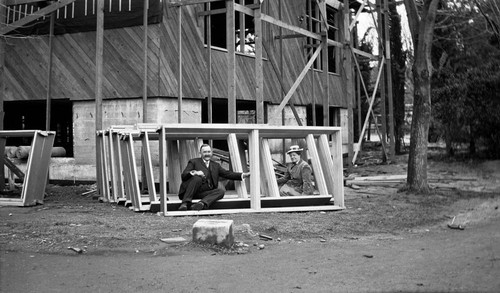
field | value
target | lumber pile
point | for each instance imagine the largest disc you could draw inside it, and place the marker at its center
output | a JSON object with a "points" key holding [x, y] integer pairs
{"points": [[398, 180], [385, 180]]}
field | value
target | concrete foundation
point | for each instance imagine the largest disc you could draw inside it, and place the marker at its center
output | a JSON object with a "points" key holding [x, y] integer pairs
{"points": [[217, 232], [124, 112]]}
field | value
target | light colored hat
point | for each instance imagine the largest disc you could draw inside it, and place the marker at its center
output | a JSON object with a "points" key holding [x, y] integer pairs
{"points": [[294, 149]]}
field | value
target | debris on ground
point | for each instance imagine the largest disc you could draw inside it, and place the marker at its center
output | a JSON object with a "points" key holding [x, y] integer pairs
{"points": [[265, 237], [173, 239], [75, 249]]}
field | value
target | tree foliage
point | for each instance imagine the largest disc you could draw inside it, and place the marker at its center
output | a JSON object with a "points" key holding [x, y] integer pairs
{"points": [[466, 58]]}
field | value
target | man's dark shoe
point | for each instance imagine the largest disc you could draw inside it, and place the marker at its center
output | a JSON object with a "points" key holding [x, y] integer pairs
{"points": [[198, 206], [183, 207]]}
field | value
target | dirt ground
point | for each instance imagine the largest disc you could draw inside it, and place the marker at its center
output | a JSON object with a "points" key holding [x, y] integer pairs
{"points": [[385, 240]]}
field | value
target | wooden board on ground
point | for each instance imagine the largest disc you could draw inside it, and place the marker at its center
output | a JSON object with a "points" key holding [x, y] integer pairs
{"points": [[266, 202]]}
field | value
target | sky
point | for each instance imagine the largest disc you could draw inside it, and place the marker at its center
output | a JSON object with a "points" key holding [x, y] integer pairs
{"points": [[366, 20]]}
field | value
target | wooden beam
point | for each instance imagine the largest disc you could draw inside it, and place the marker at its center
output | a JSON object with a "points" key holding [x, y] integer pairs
{"points": [[390, 118], [209, 63], [290, 27], [236, 164], [179, 79], [253, 150], [49, 72], [148, 168], [188, 2], [163, 170], [212, 12], [3, 9], [259, 74], [297, 81], [290, 36], [242, 29], [365, 54], [98, 88], [324, 44], [32, 17], [145, 63], [353, 22], [319, 176], [231, 62], [268, 168], [18, 2], [349, 81], [243, 9]]}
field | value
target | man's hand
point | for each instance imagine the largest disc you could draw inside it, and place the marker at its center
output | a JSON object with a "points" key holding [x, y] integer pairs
{"points": [[197, 173], [245, 175]]}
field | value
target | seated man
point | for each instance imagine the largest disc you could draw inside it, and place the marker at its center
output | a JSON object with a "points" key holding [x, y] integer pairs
{"points": [[298, 176], [200, 179]]}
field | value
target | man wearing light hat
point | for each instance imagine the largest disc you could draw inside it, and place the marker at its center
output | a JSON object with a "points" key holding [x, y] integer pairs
{"points": [[298, 177]]}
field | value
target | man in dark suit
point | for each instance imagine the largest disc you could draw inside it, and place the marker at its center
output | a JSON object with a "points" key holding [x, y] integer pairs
{"points": [[200, 179]]}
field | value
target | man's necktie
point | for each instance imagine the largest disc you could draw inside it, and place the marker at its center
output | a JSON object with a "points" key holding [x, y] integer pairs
{"points": [[209, 177]]}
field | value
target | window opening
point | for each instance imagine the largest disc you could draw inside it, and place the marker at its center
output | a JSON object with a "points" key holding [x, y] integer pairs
{"points": [[244, 28]]}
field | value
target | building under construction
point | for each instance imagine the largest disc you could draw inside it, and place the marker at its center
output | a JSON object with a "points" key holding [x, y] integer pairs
{"points": [[77, 66]]}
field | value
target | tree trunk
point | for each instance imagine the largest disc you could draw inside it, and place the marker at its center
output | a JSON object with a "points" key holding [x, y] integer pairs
{"points": [[417, 159], [398, 77], [422, 29]]}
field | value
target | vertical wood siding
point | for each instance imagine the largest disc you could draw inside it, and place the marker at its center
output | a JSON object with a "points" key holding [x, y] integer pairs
{"points": [[74, 63]]}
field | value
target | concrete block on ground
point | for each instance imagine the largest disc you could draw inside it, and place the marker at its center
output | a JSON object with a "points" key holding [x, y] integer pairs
{"points": [[218, 232]]}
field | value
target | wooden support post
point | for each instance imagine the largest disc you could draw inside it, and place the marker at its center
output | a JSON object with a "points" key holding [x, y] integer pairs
{"points": [[243, 160], [112, 166], [184, 153], [99, 164], [179, 80], [390, 117], [163, 170], [174, 169], [144, 79], [259, 75], [148, 168], [3, 9], [145, 63], [349, 81], [326, 163], [319, 176], [324, 44], [231, 63], [49, 72], [99, 79], [268, 168], [242, 28], [234, 153], [134, 179], [119, 192], [253, 150], [209, 64], [126, 169], [105, 166], [338, 176], [382, 87]]}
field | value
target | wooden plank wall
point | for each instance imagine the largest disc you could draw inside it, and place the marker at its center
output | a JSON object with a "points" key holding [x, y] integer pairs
{"points": [[74, 62]]}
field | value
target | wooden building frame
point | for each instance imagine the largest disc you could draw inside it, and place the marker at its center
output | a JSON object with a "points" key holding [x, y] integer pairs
{"points": [[178, 142], [35, 178]]}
